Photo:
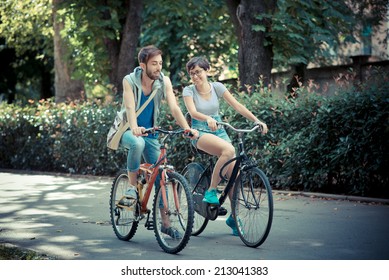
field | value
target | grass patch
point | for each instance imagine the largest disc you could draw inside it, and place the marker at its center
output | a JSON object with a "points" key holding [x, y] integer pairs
{"points": [[11, 252]]}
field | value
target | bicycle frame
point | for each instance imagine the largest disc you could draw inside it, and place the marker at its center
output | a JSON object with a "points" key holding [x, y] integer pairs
{"points": [[150, 172], [242, 161]]}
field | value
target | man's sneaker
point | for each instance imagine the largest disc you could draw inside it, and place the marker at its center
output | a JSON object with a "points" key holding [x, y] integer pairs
{"points": [[210, 197], [172, 232], [131, 193], [232, 224]]}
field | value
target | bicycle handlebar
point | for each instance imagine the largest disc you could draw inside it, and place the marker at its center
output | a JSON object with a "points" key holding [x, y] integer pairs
{"points": [[186, 132], [256, 126]]}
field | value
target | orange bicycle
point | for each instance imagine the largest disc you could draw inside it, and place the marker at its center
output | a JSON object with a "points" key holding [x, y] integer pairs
{"points": [[172, 211]]}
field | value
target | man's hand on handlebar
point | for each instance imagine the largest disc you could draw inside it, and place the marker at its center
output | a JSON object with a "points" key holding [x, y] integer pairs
{"points": [[139, 131]]}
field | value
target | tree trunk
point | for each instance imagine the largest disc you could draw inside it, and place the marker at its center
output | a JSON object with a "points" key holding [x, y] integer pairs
{"points": [[255, 57], [8, 75], [46, 83], [123, 54], [66, 89]]}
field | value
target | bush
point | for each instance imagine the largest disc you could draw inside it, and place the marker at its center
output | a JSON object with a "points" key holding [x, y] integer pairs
{"points": [[334, 144], [63, 138]]}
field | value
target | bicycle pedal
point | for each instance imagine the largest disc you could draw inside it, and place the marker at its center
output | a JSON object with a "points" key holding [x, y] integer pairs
{"points": [[222, 211], [149, 225], [127, 202]]}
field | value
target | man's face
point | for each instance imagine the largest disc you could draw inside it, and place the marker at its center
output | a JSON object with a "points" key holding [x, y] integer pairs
{"points": [[153, 67]]}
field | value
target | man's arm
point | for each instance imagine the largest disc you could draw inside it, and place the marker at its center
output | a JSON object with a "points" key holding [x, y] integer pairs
{"points": [[174, 108], [129, 102]]}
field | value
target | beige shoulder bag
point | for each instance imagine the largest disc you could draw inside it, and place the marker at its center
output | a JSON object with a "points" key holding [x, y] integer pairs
{"points": [[119, 127]]}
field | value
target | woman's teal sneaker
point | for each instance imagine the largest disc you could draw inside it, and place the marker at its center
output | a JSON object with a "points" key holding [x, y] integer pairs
{"points": [[211, 197], [232, 224]]}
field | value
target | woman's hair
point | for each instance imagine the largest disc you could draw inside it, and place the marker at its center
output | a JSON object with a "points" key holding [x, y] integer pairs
{"points": [[148, 52], [201, 62]]}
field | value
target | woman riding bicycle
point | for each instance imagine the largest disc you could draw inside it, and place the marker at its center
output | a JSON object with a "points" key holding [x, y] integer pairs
{"points": [[202, 102]]}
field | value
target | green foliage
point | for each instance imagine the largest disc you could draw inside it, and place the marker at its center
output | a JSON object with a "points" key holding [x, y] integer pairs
{"points": [[302, 31], [185, 29], [86, 24], [64, 138], [309, 31], [27, 25], [26, 49], [334, 144]]}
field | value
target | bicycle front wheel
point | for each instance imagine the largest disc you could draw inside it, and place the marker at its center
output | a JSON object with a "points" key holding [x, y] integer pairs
{"points": [[173, 213], [123, 215], [252, 206]]}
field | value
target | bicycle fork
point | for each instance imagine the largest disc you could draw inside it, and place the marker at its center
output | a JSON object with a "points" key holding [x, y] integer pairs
{"points": [[164, 203]]}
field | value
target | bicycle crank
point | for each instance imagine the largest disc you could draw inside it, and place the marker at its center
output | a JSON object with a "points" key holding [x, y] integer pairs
{"points": [[149, 222], [207, 210]]}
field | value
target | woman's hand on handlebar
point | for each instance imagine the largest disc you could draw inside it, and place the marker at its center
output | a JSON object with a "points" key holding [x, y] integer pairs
{"points": [[212, 123], [262, 127]]}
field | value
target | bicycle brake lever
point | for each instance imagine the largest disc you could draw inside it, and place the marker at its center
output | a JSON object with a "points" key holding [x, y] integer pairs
{"points": [[151, 129], [259, 127], [188, 133]]}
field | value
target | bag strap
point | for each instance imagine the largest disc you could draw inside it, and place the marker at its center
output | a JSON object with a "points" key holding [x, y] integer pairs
{"points": [[127, 124], [147, 102]]}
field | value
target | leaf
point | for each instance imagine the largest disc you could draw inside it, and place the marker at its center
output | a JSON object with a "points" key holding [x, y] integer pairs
{"points": [[259, 28]]}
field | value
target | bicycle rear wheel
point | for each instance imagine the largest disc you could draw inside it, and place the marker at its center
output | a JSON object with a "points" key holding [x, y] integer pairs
{"points": [[252, 206], [192, 173], [173, 213], [123, 215]]}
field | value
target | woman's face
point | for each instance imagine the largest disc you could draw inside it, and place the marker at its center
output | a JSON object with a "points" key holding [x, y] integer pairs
{"points": [[198, 75]]}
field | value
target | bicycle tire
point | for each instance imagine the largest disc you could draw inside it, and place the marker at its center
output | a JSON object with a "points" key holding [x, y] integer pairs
{"points": [[179, 212], [123, 219], [192, 173], [252, 206]]}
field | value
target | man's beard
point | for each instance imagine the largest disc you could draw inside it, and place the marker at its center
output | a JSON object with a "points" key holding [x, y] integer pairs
{"points": [[152, 76]]}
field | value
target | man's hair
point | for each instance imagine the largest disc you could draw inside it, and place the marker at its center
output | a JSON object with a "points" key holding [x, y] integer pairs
{"points": [[148, 52], [202, 62]]}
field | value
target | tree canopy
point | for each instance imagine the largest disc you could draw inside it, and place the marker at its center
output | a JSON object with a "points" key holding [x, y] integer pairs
{"points": [[248, 37], [185, 29]]}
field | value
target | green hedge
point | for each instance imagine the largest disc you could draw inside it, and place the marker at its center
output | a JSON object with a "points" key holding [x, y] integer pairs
{"points": [[64, 138], [334, 144]]}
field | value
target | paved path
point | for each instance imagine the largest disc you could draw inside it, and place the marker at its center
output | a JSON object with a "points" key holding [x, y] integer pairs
{"points": [[68, 217]]}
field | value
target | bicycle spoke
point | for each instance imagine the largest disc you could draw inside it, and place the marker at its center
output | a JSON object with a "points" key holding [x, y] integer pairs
{"points": [[123, 218], [173, 214]]}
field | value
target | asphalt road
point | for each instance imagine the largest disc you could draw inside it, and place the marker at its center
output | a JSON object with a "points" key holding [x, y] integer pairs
{"points": [[68, 217]]}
